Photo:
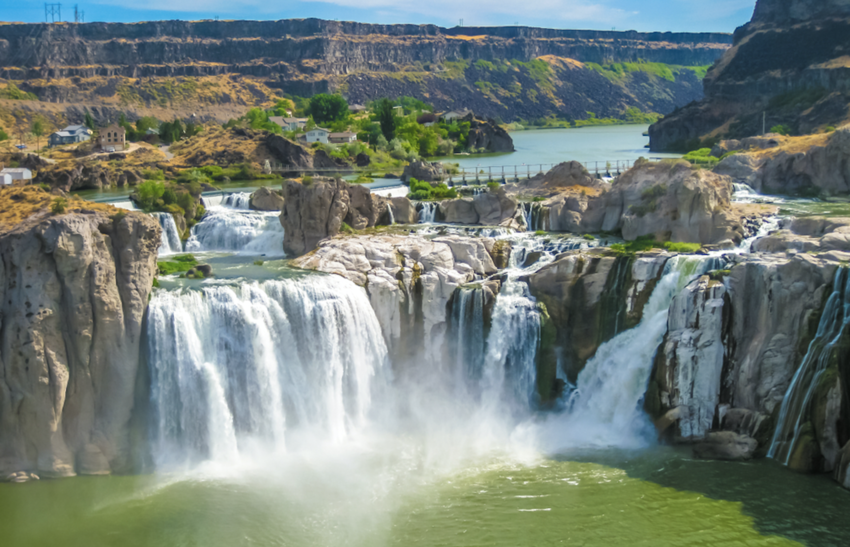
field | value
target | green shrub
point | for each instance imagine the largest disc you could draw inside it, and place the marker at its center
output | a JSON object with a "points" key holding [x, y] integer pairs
{"points": [[149, 192], [782, 129], [540, 233], [58, 205], [685, 248], [153, 174], [174, 209], [346, 229], [828, 129], [177, 264], [493, 185], [306, 180], [589, 237], [169, 196], [258, 263]]}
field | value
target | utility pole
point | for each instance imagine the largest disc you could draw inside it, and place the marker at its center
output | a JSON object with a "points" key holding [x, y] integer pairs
{"points": [[764, 123], [79, 16], [52, 13]]}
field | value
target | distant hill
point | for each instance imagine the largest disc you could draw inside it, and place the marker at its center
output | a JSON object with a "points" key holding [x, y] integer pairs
{"points": [[509, 73]]}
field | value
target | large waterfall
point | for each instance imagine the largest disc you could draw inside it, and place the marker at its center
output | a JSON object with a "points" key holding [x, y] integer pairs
{"points": [[236, 368], [171, 242], [795, 411], [233, 230]]}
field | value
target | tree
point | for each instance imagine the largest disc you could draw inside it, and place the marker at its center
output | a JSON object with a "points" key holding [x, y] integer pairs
{"points": [[327, 108], [3, 135], [89, 121], [148, 192], [386, 118], [37, 130]]}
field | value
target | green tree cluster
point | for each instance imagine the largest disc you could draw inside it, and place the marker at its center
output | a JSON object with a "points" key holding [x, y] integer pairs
{"points": [[423, 191], [328, 109]]}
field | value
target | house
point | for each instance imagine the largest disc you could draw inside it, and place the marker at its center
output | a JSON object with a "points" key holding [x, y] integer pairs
{"points": [[70, 135], [113, 138], [356, 108], [342, 138], [289, 124], [317, 134], [455, 115], [17, 173]]}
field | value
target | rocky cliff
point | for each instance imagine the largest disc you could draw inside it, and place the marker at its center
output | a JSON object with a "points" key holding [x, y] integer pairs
{"points": [[74, 292], [175, 64], [788, 66]]}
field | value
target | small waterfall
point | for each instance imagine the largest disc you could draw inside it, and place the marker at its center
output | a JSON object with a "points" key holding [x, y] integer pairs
{"points": [[229, 230], [237, 368], [796, 406], [605, 407], [170, 241], [768, 225], [212, 201], [510, 364], [125, 204], [744, 193], [237, 200], [390, 212], [534, 214], [466, 336], [427, 212]]}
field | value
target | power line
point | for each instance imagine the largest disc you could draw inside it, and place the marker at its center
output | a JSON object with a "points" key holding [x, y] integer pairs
{"points": [[79, 16]]}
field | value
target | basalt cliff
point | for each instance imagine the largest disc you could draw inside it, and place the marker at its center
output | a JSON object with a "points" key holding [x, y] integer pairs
{"points": [[214, 68], [788, 66]]}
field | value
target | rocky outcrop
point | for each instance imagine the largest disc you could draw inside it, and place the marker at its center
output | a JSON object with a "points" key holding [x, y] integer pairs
{"points": [[409, 280], [822, 168], [89, 177], [266, 199], [75, 288], [316, 211], [488, 136], [492, 208], [423, 170], [672, 201]]}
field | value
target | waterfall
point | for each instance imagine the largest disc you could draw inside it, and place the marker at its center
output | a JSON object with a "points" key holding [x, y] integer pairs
{"points": [[234, 368], [510, 364], [390, 212], [427, 212], [605, 407], [237, 200], [125, 204], [525, 206], [233, 230], [534, 217], [796, 405], [170, 239], [466, 337]]}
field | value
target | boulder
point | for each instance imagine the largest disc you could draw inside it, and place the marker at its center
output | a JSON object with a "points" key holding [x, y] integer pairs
{"points": [[488, 135], [423, 170], [266, 199], [404, 212], [726, 445], [312, 213], [459, 211], [494, 207]]}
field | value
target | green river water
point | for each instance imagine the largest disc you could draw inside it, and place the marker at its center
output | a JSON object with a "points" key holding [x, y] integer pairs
{"points": [[361, 497]]}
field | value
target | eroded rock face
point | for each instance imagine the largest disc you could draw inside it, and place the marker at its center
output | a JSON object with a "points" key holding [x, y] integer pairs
{"points": [[409, 281], [266, 199], [488, 135], [689, 363], [75, 288], [423, 170], [591, 297]]}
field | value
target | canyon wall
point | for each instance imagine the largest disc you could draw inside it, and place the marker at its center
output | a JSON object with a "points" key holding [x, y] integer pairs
{"points": [[74, 292], [788, 66]]}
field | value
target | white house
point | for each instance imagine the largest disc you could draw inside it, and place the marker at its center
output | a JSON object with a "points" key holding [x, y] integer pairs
{"points": [[17, 173], [5, 180], [317, 134], [342, 138]]}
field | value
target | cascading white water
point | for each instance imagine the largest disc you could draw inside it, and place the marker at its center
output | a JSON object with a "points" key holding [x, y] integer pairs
{"points": [[237, 200], [796, 405], [234, 368], [768, 225], [427, 212], [232, 230], [170, 239], [743, 193], [127, 205], [604, 410]]}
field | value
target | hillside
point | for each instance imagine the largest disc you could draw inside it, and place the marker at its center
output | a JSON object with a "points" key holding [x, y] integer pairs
{"points": [[789, 67], [217, 68]]}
